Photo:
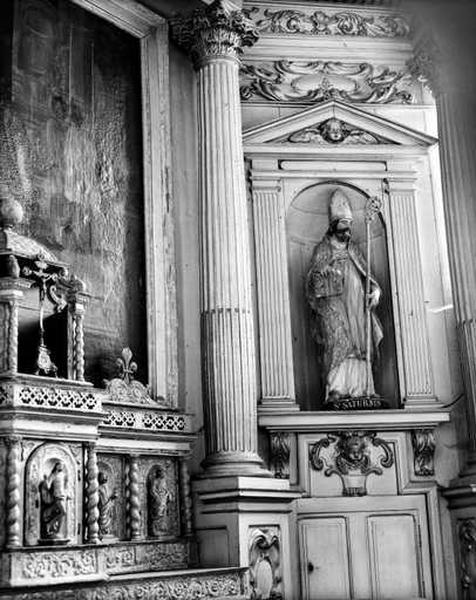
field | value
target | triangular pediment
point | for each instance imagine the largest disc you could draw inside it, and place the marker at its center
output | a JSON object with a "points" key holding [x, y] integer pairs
{"points": [[335, 124]]}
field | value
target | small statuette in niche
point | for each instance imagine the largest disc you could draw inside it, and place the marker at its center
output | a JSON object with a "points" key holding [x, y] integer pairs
{"points": [[53, 506], [105, 506], [159, 499]]}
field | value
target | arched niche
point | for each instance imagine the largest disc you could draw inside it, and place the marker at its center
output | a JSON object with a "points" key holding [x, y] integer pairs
{"points": [[39, 472], [306, 224]]}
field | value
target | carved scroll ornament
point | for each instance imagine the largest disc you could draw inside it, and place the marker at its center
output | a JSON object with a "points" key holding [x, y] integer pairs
{"points": [[350, 455], [265, 561], [279, 454], [318, 81], [324, 23], [423, 442]]}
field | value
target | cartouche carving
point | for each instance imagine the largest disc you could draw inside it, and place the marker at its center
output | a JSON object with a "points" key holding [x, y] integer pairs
{"points": [[318, 81], [349, 455]]}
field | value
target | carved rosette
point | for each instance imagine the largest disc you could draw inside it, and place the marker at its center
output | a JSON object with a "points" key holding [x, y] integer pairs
{"points": [[12, 502], [351, 456], [423, 442], [92, 496], [279, 454], [214, 31]]}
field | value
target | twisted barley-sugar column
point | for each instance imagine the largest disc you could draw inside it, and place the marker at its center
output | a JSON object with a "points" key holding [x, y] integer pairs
{"points": [[79, 345], [92, 495], [215, 35], [13, 496], [134, 501], [186, 498]]}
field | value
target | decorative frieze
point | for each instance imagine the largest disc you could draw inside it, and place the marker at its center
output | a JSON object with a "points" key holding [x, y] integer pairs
{"points": [[320, 22], [265, 563], [423, 442], [56, 565], [221, 584], [351, 455], [135, 418], [49, 397], [307, 82]]}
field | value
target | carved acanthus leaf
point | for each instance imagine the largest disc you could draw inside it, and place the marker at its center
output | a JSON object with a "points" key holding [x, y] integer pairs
{"points": [[214, 30], [279, 454], [321, 22], [318, 81]]}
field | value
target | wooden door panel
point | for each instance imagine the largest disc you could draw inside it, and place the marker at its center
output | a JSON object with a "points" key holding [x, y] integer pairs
{"points": [[325, 558]]}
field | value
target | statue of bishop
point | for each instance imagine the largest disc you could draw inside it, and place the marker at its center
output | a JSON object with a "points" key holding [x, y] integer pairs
{"points": [[344, 324]]}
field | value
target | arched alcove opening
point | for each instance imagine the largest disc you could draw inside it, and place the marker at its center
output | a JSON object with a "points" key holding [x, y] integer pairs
{"points": [[306, 224]]}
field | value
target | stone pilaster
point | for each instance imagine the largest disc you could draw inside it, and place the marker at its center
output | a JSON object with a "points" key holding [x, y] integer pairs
{"points": [[13, 492], [275, 338], [215, 35], [457, 136], [417, 369]]}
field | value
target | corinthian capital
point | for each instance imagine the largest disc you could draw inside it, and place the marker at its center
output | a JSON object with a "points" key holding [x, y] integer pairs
{"points": [[424, 66], [214, 31]]}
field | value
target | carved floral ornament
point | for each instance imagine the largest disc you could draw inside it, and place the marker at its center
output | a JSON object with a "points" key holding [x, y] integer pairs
{"points": [[319, 22], [318, 81], [214, 31], [425, 64]]}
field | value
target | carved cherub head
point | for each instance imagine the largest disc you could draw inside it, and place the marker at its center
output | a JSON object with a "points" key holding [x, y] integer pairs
{"points": [[334, 130], [352, 448]]}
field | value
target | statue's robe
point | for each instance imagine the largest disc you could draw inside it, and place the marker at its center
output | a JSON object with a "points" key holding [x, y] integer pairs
{"points": [[338, 300]]}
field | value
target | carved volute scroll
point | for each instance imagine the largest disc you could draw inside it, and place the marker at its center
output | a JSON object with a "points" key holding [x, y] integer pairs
{"points": [[349, 455], [265, 563], [423, 442], [279, 454]]}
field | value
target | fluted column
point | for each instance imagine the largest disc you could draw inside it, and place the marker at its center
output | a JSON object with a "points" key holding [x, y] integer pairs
{"points": [[457, 140], [92, 495], [12, 492], [215, 35]]}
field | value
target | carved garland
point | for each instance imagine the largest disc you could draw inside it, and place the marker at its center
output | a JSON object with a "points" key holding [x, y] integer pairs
{"points": [[279, 454], [324, 23], [318, 81], [423, 442]]}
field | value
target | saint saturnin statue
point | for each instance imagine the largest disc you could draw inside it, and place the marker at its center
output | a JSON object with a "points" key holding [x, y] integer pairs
{"points": [[343, 294]]}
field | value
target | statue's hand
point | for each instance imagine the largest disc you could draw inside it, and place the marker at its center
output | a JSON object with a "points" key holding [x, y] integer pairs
{"points": [[374, 297]]}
